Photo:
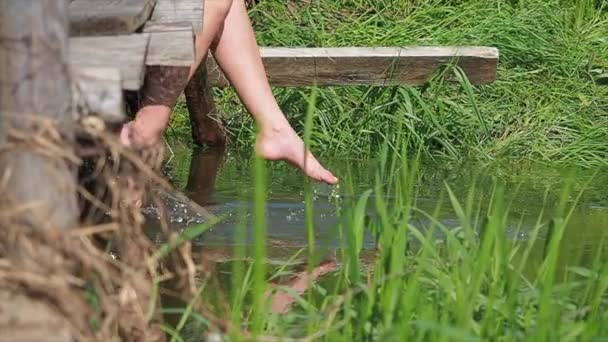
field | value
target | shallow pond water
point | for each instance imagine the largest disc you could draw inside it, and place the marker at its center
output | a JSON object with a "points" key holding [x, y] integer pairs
{"points": [[222, 183]]}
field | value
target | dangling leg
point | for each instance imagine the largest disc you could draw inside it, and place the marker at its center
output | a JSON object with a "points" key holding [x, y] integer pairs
{"points": [[152, 119], [237, 53], [228, 32]]}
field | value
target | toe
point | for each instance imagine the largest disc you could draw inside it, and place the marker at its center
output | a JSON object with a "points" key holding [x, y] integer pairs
{"points": [[317, 172], [329, 178]]}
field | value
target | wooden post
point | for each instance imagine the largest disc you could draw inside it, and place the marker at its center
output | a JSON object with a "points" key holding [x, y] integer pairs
{"points": [[35, 88], [206, 127]]}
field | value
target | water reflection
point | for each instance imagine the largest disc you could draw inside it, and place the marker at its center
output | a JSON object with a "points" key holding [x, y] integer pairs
{"points": [[220, 181], [204, 168], [230, 194]]}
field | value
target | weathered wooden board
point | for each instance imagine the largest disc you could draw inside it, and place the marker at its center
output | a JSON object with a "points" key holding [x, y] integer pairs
{"points": [[169, 45], [126, 53], [99, 91], [152, 26], [171, 11], [108, 17], [368, 66]]}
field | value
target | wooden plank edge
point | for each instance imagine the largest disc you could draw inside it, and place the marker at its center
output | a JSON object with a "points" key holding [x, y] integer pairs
{"points": [[169, 11], [171, 49], [171, 44], [471, 59], [81, 23], [153, 26]]}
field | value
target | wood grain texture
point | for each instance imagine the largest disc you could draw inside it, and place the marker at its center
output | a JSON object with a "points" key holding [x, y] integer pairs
{"points": [[171, 48], [35, 88], [108, 17], [292, 67], [126, 53], [206, 124], [98, 91], [171, 11], [152, 26]]}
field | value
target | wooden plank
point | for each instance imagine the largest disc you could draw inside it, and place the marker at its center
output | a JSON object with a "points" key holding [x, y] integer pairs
{"points": [[108, 17], [153, 26], [170, 48], [125, 53], [171, 11], [98, 91], [292, 67]]}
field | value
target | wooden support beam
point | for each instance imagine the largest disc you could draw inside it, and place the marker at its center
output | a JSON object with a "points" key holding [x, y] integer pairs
{"points": [[206, 125], [293, 67], [35, 90], [108, 17]]}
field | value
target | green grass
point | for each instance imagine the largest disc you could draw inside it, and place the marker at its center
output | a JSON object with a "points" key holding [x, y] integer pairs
{"points": [[494, 276], [427, 281], [549, 102]]}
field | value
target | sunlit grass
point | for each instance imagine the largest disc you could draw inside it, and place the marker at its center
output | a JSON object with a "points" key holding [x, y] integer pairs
{"points": [[547, 104], [489, 276], [476, 281]]}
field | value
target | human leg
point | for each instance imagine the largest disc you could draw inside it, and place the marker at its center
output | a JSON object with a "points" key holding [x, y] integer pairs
{"points": [[237, 53], [152, 118], [228, 32]]}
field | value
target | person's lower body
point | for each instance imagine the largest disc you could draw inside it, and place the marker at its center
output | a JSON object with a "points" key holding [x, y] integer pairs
{"points": [[227, 32]]}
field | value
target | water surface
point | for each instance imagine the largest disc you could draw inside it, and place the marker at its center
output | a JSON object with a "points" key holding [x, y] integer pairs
{"points": [[222, 182]]}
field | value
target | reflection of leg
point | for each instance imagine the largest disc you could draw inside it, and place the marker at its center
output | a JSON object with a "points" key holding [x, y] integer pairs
{"points": [[203, 172], [281, 300]]}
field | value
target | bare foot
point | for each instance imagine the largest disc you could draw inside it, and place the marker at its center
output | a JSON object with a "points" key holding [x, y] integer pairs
{"points": [[284, 144]]}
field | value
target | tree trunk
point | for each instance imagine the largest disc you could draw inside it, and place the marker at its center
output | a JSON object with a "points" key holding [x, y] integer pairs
{"points": [[35, 91], [34, 95]]}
